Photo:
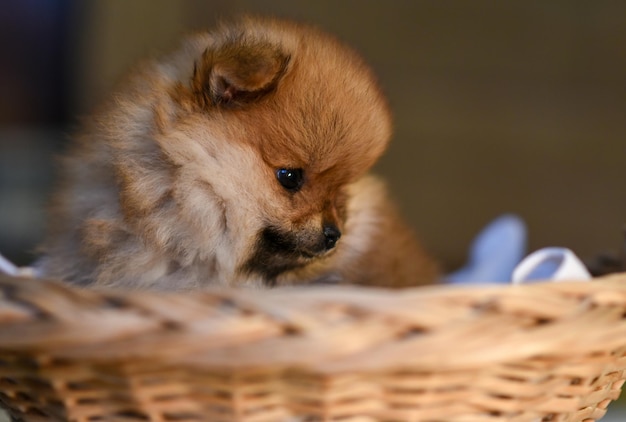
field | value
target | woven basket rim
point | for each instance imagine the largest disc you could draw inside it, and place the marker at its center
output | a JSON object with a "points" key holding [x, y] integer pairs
{"points": [[328, 329]]}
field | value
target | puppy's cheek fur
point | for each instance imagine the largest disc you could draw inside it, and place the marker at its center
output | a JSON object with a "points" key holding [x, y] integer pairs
{"points": [[228, 200]]}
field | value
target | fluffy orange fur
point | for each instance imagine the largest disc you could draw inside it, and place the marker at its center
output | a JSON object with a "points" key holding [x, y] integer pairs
{"points": [[173, 184]]}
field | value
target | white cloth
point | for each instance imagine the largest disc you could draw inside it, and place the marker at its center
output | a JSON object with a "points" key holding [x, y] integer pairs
{"points": [[8, 268], [556, 264]]}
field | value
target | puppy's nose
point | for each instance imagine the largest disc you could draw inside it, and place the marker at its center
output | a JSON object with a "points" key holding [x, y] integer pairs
{"points": [[331, 235]]}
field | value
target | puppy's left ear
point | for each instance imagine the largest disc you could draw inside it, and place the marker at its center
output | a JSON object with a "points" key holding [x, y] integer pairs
{"points": [[237, 74]]}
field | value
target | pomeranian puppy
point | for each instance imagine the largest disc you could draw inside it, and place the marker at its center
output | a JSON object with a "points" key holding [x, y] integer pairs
{"points": [[240, 159]]}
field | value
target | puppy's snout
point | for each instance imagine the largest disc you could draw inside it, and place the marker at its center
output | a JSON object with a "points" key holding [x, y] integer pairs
{"points": [[331, 236]]}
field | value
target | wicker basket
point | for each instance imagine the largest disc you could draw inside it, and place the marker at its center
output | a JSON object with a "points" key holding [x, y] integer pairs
{"points": [[543, 352]]}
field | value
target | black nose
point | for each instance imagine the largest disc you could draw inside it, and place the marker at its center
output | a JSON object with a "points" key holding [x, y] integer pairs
{"points": [[332, 235]]}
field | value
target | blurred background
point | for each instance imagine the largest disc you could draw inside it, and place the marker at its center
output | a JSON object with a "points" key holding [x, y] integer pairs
{"points": [[514, 106]]}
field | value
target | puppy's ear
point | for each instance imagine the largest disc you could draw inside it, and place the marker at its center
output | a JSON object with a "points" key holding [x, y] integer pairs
{"points": [[237, 74]]}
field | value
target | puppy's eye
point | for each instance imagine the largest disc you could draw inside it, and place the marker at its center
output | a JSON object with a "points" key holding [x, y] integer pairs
{"points": [[290, 179]]}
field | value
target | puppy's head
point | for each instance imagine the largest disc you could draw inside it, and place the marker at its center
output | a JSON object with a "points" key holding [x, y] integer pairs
{"points": [[290, 117]]}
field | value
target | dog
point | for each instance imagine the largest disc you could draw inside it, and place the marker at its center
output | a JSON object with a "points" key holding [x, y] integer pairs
{"points": [[240, 159]]}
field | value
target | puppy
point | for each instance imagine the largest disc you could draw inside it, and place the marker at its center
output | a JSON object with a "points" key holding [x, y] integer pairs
{"points": [[239, 159]]}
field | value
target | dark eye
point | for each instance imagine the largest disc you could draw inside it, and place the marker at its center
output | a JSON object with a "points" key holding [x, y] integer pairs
{"points": [[290, 179]]}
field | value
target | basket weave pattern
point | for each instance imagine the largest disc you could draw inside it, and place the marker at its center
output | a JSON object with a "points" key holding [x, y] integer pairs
{"points": [[544, 352]]}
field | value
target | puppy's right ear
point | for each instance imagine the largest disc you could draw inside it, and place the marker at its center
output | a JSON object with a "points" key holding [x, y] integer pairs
{"points": [[237, 74]]}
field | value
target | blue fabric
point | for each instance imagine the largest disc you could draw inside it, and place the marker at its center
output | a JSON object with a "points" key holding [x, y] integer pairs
{"points": [[494, 253]]}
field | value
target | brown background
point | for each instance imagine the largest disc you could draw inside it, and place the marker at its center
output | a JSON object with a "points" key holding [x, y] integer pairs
{"points": [[514, 106]]}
